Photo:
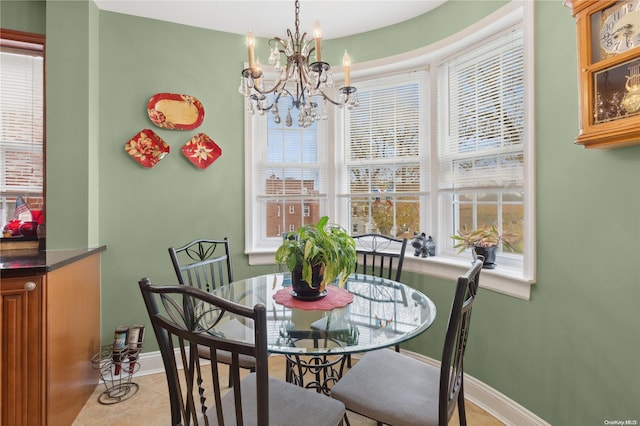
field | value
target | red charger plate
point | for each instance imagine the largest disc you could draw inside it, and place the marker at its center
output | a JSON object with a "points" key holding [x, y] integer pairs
{"points": [[201, 150], [174, 111], [147, 148]]}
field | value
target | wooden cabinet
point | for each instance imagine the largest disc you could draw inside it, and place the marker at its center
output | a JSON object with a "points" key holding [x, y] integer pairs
{"points": [[50, 329], [72, 298], [21, 393], [608, 37]]}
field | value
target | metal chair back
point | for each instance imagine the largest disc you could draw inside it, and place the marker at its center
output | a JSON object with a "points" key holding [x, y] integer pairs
{"points": [[203, 263], [178, 318], [380, 255], [455, 343]]}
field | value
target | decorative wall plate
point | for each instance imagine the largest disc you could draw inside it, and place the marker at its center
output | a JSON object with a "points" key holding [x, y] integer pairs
{"points": [[201, 150], [147, 148], [173, 111]]}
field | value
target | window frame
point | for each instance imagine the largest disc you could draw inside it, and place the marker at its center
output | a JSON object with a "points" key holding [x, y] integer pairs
{"points": [[32, 42], [261, 249], [506, 280], [447, 191], [344, 162]]}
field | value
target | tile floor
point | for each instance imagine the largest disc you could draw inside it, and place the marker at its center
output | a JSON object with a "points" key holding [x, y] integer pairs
{"points": [[150, 405]]}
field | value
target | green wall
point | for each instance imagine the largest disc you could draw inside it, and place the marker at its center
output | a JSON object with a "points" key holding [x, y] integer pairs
{"points": [[144, 211], [23, 15], [72, 128], [570, 354]]}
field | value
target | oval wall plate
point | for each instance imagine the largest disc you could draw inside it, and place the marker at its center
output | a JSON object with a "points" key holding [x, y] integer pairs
{"points": [[174, 111]]}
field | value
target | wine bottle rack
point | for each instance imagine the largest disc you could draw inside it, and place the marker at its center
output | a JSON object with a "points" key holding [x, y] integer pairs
{"points": [[116, 371]]}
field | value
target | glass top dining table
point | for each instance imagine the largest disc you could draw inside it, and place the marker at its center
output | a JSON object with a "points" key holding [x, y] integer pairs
{"points": [[367, 313]]}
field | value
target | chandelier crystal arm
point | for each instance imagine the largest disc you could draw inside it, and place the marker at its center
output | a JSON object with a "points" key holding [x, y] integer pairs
{"points": [[345, 92]]}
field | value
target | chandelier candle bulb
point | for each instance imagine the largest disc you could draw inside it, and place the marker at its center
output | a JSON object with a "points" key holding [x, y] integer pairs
{"points": [[346, 63], [317, 36], [250, 43]]}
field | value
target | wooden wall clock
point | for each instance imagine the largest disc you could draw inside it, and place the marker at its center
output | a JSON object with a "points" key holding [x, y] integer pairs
{"points": [[608, 72]]}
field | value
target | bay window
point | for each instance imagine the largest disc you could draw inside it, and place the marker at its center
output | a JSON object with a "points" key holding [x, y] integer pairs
{"points": [[441, 140]]}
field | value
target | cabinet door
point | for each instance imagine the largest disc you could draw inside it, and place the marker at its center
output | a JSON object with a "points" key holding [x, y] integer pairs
{"points": [[21, 368]]}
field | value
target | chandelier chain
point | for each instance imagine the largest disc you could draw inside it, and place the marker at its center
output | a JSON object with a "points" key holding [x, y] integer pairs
{"points": [[297, 20]]}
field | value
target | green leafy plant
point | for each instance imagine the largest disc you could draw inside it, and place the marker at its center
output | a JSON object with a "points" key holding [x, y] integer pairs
{"points": [[328, 246], [487, 236]]}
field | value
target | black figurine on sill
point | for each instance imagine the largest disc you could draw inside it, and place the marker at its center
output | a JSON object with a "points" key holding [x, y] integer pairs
{"points": [[424, 247]]}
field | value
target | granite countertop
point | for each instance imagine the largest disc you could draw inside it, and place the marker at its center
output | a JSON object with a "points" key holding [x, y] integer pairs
{"points": [[34, 262]]}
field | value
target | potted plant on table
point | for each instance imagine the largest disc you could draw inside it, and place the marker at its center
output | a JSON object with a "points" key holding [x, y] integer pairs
{"points": [[483, 242], [317, 255]]}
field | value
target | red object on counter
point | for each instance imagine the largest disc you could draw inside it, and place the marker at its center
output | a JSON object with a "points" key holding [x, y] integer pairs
{"points": [[29, 229], [14, 227], [36, 216]]}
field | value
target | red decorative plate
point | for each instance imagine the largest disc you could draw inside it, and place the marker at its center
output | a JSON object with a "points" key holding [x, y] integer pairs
{"points": [[201, 150], [173, 111], [147, 148]]}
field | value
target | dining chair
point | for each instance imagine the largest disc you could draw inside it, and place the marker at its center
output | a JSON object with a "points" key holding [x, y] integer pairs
{"points": [[206, 264], [395, 389], [381, 256], [181, 319], [203, 263]]}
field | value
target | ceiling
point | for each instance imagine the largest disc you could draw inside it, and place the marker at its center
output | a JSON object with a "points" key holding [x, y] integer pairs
{"points": [[269, 18]]}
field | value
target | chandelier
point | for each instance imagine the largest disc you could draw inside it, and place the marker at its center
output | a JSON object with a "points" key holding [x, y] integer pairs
{"points": [[303, 82]]}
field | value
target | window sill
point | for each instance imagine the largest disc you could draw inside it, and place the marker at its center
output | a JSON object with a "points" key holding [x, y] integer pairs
{"points": [[501, 280]]}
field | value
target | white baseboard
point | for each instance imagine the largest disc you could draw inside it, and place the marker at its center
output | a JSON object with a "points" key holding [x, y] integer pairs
{"points": [[493, 402], [151, 363]]}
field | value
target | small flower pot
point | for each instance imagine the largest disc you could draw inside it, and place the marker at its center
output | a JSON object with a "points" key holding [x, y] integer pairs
{"points": [[489, 254]]}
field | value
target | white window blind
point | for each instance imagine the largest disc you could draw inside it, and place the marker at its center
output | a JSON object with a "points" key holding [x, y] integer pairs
{"points": [[384, 169], [481, 109], [383, 135], [21, 122]]}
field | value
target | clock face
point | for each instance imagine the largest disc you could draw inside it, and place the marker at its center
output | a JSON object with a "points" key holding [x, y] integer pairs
{"points": [[620, 30]]}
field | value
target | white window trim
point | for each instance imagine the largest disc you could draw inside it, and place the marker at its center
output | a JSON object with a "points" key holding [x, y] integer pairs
{"points": [[343, 209], [507, 281]]}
